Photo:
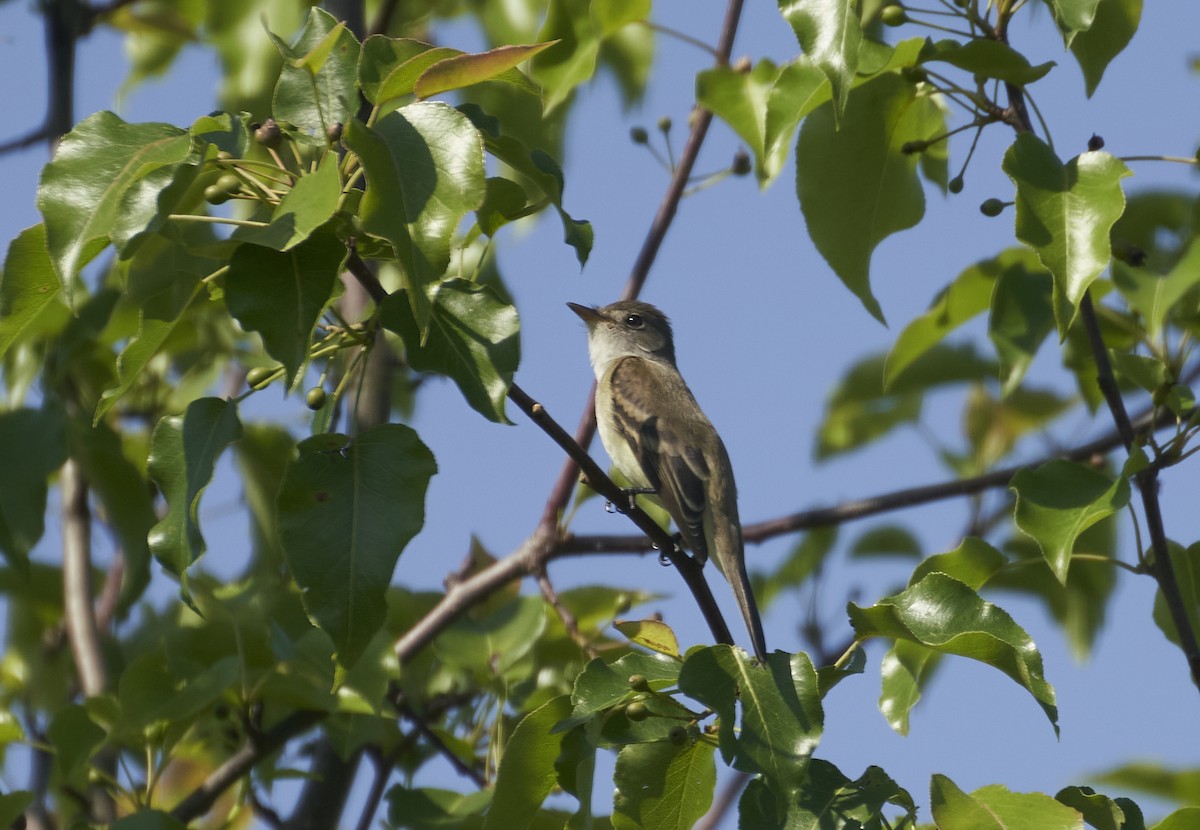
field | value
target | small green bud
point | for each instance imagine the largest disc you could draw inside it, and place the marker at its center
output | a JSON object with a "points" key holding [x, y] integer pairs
{"points": [[741, 163], [214, 195], [637, 711], [664, 124], [908, 148], [268, 133], [638, 135], [991, 207], [955, 185], [638, 682], [229, 183], [259, 376], [224, 155], [314, 399], [893, 16]]}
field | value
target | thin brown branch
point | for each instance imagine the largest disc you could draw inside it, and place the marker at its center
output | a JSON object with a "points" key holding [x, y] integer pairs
{"points": [[564, 614], [461, 767], [30, 138], [78, 608]]}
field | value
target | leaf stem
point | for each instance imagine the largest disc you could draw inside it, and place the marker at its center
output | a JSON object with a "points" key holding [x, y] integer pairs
{"points": [[216, 220], [1176, 159]]}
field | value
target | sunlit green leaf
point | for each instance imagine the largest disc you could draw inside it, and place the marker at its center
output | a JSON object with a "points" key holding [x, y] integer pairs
{"points": [[663, 784], [995, 807], [572, 59], [527, 775], [307, 206], [1186, 564], [498, 64], [652, 634], [347, 508], [490, 644], [316, 87], [829, 32], [990, 59], [28, 287], [1112, 28], [33, 444], [1073, 16]]}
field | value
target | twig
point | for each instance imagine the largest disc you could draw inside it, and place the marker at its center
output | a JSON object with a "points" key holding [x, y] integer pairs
{"points": [[28, 140], [564, 614], [78, 609], [435, 740]]}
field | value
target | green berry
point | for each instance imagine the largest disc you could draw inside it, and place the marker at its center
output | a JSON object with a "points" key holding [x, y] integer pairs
{"points": [[639, 682], [259, 376], [229, 183], [955, 185], [314, 399], [664, 124], [224, 155], [268, 133], [637, 711], [741, 163], [638, 135], [215, 195], [991, 207], [893, 16], [334, 133]]}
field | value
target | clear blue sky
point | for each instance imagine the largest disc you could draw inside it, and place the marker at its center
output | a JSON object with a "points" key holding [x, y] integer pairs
{"points": [[764, 331]]}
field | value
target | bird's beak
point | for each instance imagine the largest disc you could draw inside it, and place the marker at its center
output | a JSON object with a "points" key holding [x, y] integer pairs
{"points": [[588, 314]]}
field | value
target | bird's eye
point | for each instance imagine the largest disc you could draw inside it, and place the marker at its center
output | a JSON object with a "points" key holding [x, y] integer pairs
{"points": [[634, 321]]}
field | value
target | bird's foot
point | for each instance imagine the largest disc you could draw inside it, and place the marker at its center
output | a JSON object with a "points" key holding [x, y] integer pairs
{"points": [[631, 495]]}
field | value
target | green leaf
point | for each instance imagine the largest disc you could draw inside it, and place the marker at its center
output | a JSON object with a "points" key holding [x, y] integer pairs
{"points": [[1179, 785], [990, 59], [317, 84], [492, 644], [886, 540], [471, 337], [1112, 28], [855, 185], [1186, 564], [347, 508], [262, 456], [428, 808], [1152, 295], [1149, 373], [904, 672], [830, 801], [74, 737], [994, 807], [388, 67], [806, 556], [499, 64], [963, 299], [972, 563], [13, 806], [1073, 16], [148, 820], [663, 785], [310, 203], [781, 714], [943, 614], [527, 775], [28, 287], [105, 184], [1065, 213], [829, 33], [653, 634], [183, 451], [1058, 501], [505, 201], [764, 106], [33, 444], [125, 494], [540, 169], [1184, 819], [424, 168], [281, 295], [163, 283], [600, 686], [1022, 314], [150, 693], [572, 58], [1098, 810]]}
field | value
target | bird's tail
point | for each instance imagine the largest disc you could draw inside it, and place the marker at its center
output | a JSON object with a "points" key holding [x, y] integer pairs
{"points": [[740, 581]]}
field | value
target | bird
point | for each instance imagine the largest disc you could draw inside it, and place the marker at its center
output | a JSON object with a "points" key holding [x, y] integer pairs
{"points": [[661, 441]]}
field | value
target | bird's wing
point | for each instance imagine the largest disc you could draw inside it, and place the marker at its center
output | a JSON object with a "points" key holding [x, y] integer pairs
{"points": [[670, 457]]}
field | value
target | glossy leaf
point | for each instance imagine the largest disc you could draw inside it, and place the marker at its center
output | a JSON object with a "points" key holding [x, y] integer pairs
{"points": [[829, 33], [1073, 16], [471, 337], [309, 204], [996, 808], [281, 295], [1099, 810], [1058, 501], [972, 563], [183, 452], [653, 634], [527, 775], [764, 106], [990, 59], [663, 785], [943, 614], [388, 67], [29, 286], [1065, 213], [1152, 295], [1184, 819], [499, 64], [855, 185], [601, 686], [104, 184], [904, 671], [1112, 28], [316, 87], [829, 800], [1021, 314], [1186, 564], [572, 59], [347, 508], [33, 444], [781, 714], [424, 168]]}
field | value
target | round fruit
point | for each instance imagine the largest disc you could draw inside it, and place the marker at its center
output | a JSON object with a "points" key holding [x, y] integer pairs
{"points": [[955, 185], [215, 195], [991, 207], [259, 376], [637, 711], [893, 16], [230, 183], [314, 399], [268, 133]]}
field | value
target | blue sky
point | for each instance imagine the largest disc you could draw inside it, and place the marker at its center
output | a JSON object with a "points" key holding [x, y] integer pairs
{"points": [[764, 331]]}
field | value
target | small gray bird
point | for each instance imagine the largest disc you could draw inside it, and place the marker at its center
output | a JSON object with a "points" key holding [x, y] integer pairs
{"points": [[661, 441]]}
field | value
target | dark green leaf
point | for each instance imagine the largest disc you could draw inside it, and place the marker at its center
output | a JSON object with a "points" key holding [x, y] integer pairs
{"points": [[995, 807], [570, 61], [1058, 501], [499, 64], [886, 540], [1022, 313], [941, 613], [316, 87], [990, 59], [1149, 373], [855, 185], [33, 444], [1113, 27], [104, 184], [262, 456], [427, 808], [490, 645], [504, 202], [781, 714], [1073, 16], [1098, 810], [1186, 564], [830, 34], [281, 295], [471, 336], [183, 451], [347, 508], [74, 736], [307, 206], [424, 167], [148, 820], [13, 805], [663, 785], [830, 801], [527, 775], [29, 286], [1065, 213]]}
